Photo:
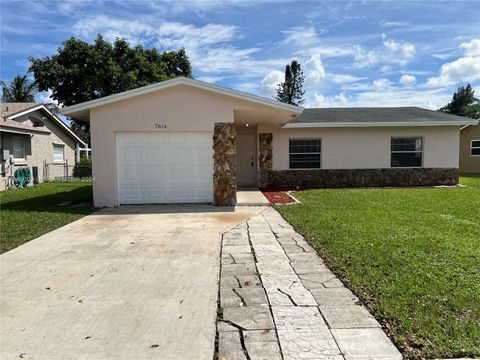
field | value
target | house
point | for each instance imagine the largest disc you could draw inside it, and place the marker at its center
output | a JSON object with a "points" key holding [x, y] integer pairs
{"points": [[32, 136], [470, 148], [187, 141]]}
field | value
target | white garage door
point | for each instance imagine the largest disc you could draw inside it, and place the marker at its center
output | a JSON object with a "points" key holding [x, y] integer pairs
{"points": [[174, 167]]}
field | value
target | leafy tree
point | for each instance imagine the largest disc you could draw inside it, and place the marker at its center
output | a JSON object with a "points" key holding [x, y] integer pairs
{"points": [[291, 90], [20, 89], [80, 71], [464, 103]]}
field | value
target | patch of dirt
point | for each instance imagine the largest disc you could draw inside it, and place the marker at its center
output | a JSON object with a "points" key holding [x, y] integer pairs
{"points": [[277, 197]]}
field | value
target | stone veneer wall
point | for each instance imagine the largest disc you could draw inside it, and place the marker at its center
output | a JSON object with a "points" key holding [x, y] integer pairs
{"points": [[265, 153], [224, 165], [339, 178]]}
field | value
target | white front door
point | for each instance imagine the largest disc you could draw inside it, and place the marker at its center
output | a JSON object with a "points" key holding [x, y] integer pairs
{"points": [[246, 174], [173, 167]]}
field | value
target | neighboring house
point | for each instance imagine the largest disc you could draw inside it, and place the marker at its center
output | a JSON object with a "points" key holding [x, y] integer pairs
{"points": [[470, 148], [32, 136], [187, 141]]}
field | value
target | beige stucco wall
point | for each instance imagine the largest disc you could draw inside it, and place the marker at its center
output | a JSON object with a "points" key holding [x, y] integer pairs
{"points": [[363, 148], [39, 147], [467, 162], [180, 108]]}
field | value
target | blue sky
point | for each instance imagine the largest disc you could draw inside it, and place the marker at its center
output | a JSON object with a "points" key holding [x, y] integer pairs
{"points": [[353, 53]]}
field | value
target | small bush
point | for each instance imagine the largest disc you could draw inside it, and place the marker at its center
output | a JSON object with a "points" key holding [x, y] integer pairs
{"points": [[83, 168]]}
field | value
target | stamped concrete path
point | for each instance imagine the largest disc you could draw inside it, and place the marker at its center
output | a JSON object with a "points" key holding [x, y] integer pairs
{"points": [[279, 301]]}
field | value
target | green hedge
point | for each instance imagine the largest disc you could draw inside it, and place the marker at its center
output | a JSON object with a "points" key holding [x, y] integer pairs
{"points": [[83, 168]]}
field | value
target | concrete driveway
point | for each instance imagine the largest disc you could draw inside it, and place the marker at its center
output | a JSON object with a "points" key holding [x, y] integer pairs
{"points": [[136, 282]]}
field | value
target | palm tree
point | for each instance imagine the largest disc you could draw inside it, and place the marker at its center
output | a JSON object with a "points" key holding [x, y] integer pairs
{"points": [[20, 89]]}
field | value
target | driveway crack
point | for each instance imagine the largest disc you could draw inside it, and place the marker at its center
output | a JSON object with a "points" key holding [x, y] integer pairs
{"points": [[288, 295]]}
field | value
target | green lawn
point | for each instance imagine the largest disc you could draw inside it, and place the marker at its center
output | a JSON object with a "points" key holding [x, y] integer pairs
{"points": [[412, 255], [30, 212]]}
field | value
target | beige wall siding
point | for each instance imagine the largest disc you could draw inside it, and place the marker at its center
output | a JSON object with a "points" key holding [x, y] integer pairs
{"points": [[179, 108], [468, 162], [357, 148], [39, 147]]}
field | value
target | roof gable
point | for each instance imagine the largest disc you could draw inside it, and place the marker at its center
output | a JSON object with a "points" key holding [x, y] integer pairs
{"points": [[24, 110], [81, 110]]}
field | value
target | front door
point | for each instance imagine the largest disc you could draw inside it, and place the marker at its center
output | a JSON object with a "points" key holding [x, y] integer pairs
{"points": [[246, 174]]}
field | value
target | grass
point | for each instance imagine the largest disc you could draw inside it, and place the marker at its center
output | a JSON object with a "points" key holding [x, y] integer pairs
{"points": [[33, 211], [411, 254]]}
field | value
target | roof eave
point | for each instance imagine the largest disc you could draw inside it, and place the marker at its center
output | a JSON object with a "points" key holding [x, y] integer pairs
{"points": [[14, 130], [377, 124]]}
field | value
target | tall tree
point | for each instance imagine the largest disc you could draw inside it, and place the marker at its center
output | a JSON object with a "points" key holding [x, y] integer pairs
{"points": [[80, 71], [464, 103], [291, 90], [20, 89]]}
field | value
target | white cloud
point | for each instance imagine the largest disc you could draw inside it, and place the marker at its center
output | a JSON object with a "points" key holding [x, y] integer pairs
{"points": [[339, 100], [406, 49], [386, 23], [45, 97], [381, 84], [343, 78], [301, 36], [270, 83], [408, 80], [314, 70], [471, 48], [432, 99], [463, 69], [174, 35]]}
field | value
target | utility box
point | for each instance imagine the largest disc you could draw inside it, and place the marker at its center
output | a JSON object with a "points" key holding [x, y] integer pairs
{"points": [[4, 154], [35, 174]]}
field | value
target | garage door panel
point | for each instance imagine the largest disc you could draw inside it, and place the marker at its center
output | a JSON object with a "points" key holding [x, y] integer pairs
{"points": [[171, 167]]}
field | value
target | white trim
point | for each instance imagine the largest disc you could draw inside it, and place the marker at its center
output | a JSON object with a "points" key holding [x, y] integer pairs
{"points": [[179, 81], [22, 131], [59, 121], [472, 147], [379, 123]]}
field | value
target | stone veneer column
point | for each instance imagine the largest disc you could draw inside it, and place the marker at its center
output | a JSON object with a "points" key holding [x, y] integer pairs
{"points": [[265, 156], [224, 165]]}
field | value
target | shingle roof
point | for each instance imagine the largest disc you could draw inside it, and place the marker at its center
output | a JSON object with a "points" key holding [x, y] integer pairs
{"points": [[373, 115], [12, 108]]}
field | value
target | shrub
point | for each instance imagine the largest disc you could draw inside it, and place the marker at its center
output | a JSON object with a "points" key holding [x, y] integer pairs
{"points": [[83, 168]]}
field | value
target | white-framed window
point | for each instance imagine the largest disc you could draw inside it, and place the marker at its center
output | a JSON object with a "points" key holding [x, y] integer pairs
{"points": [[475, 147], [406, 152], [58, 152], [304, 153], [18, 145]]}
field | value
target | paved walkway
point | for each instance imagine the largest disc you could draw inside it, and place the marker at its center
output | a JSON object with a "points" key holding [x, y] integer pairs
{"points": [[278, 300], [251, 196]]}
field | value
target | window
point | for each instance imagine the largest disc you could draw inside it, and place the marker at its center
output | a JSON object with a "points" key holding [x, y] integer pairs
{"points": [[18, 144], [475, 148], [58, 154], [406, 152], [304, 154]]}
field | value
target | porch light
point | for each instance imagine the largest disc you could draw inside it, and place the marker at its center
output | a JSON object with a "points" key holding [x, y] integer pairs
{"points": [[246, 125]]}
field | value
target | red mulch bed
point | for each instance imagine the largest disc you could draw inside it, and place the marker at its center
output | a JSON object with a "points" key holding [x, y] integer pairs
{"points": [[276, 196]]}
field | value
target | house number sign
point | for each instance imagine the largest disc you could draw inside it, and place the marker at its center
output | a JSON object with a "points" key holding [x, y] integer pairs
{"points": [[160, 125]]}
